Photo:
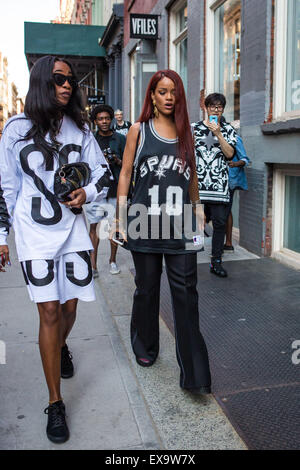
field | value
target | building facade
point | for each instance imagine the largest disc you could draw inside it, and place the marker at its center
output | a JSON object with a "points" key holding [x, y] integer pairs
{"points": [[20, 105], [112, 41], [4, 92], [107, 8], [104, 84], [250, 51], [10, 102], [13, 100], [95, 12], [82, 12], [66, 8]]}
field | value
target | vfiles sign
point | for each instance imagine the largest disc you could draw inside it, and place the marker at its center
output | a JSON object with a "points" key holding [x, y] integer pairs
{"points": [[143, 26]]}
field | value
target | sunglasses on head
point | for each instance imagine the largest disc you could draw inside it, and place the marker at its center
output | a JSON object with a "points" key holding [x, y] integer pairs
{"points": [[60, 79]]}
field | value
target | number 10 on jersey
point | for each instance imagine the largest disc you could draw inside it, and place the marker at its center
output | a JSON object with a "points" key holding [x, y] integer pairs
{"points": [[173, 200]]}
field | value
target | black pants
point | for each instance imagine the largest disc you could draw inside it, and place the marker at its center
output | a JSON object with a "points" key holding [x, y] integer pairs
{"points": [[190, 346], [218, 213]]}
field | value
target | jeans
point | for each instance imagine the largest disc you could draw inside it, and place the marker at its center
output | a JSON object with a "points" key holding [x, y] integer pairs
{"points": [[218, 213]]}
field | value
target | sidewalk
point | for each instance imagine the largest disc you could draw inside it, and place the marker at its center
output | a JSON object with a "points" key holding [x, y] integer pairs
{"points": [[111, 402], [104, 405], [183, 421]]}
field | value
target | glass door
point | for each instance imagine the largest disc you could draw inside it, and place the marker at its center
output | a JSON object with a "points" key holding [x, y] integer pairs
{"points": [[286, 215], [227, 57]]}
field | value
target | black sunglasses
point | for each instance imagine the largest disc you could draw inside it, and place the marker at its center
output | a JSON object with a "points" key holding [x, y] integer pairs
{"points": [[60, 79]]}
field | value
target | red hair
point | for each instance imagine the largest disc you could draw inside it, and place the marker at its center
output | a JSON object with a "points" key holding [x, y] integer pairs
{"points": [[181, 118]]}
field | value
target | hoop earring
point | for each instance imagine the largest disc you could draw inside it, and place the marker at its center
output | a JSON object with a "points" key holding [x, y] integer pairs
{"points": [[155, 110]]}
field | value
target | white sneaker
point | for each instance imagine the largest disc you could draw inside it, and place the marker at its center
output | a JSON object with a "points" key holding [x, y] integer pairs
{"points": [[114, 268]]}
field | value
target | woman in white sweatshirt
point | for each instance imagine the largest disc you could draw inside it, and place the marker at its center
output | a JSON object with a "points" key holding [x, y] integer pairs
{"points": [[52, 241]]}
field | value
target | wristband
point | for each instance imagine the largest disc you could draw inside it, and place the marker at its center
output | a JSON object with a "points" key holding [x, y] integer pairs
{"points": [[195, 203]]}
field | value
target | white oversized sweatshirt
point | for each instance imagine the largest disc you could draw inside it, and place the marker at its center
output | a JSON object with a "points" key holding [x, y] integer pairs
{"points": [[44, 228]]}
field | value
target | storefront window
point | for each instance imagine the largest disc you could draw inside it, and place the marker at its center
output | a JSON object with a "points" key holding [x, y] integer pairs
{"points": [[179, 41], [182, 60], [227, 58], [182, 19], [293, 56], [291, 236]]}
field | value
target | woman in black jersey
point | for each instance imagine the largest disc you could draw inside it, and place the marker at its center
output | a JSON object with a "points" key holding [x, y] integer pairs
{"points": [[159, 151]]}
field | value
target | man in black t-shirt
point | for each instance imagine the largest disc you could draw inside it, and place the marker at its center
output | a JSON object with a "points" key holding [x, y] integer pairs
{"points": [[120, 125], [112, 145]]}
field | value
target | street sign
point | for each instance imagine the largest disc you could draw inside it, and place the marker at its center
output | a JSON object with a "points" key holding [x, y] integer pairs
{"points": [[143, 26], [100, 99]]}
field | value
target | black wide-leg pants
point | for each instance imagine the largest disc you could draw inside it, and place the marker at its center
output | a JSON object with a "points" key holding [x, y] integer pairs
{"points": [[190, 346]]}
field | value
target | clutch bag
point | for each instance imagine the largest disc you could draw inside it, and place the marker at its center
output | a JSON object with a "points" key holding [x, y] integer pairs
{"points": [[69, 177]]}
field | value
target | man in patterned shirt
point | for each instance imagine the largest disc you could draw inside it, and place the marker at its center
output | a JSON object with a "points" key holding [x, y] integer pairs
{"points": [[214, 146]]}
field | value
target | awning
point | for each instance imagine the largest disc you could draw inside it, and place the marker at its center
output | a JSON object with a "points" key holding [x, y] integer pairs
{"points": [[77, 43]]}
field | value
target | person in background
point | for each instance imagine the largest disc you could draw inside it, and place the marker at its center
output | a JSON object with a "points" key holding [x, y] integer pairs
{"points": [[215, 144], [237, 180], [112, 145], [120, 125]]}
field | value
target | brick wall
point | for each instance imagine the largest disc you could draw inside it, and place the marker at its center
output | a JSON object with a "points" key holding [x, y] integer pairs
{"points": [[160, 47], [257, 54], [82, 13], [254, 57], [267, 248], [251, 212], [270, 76], [196, 57]]}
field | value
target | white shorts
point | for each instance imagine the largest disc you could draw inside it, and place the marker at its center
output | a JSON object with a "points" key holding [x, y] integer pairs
{"points": [[64, 278], [97, 211]]}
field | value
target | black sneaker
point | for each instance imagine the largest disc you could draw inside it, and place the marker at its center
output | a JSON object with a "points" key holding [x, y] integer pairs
{"points": [[217, 268], [57, 429], [66, 364]]}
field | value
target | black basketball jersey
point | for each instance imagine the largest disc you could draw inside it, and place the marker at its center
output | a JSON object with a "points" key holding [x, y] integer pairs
{"points": [[160, 219]]}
